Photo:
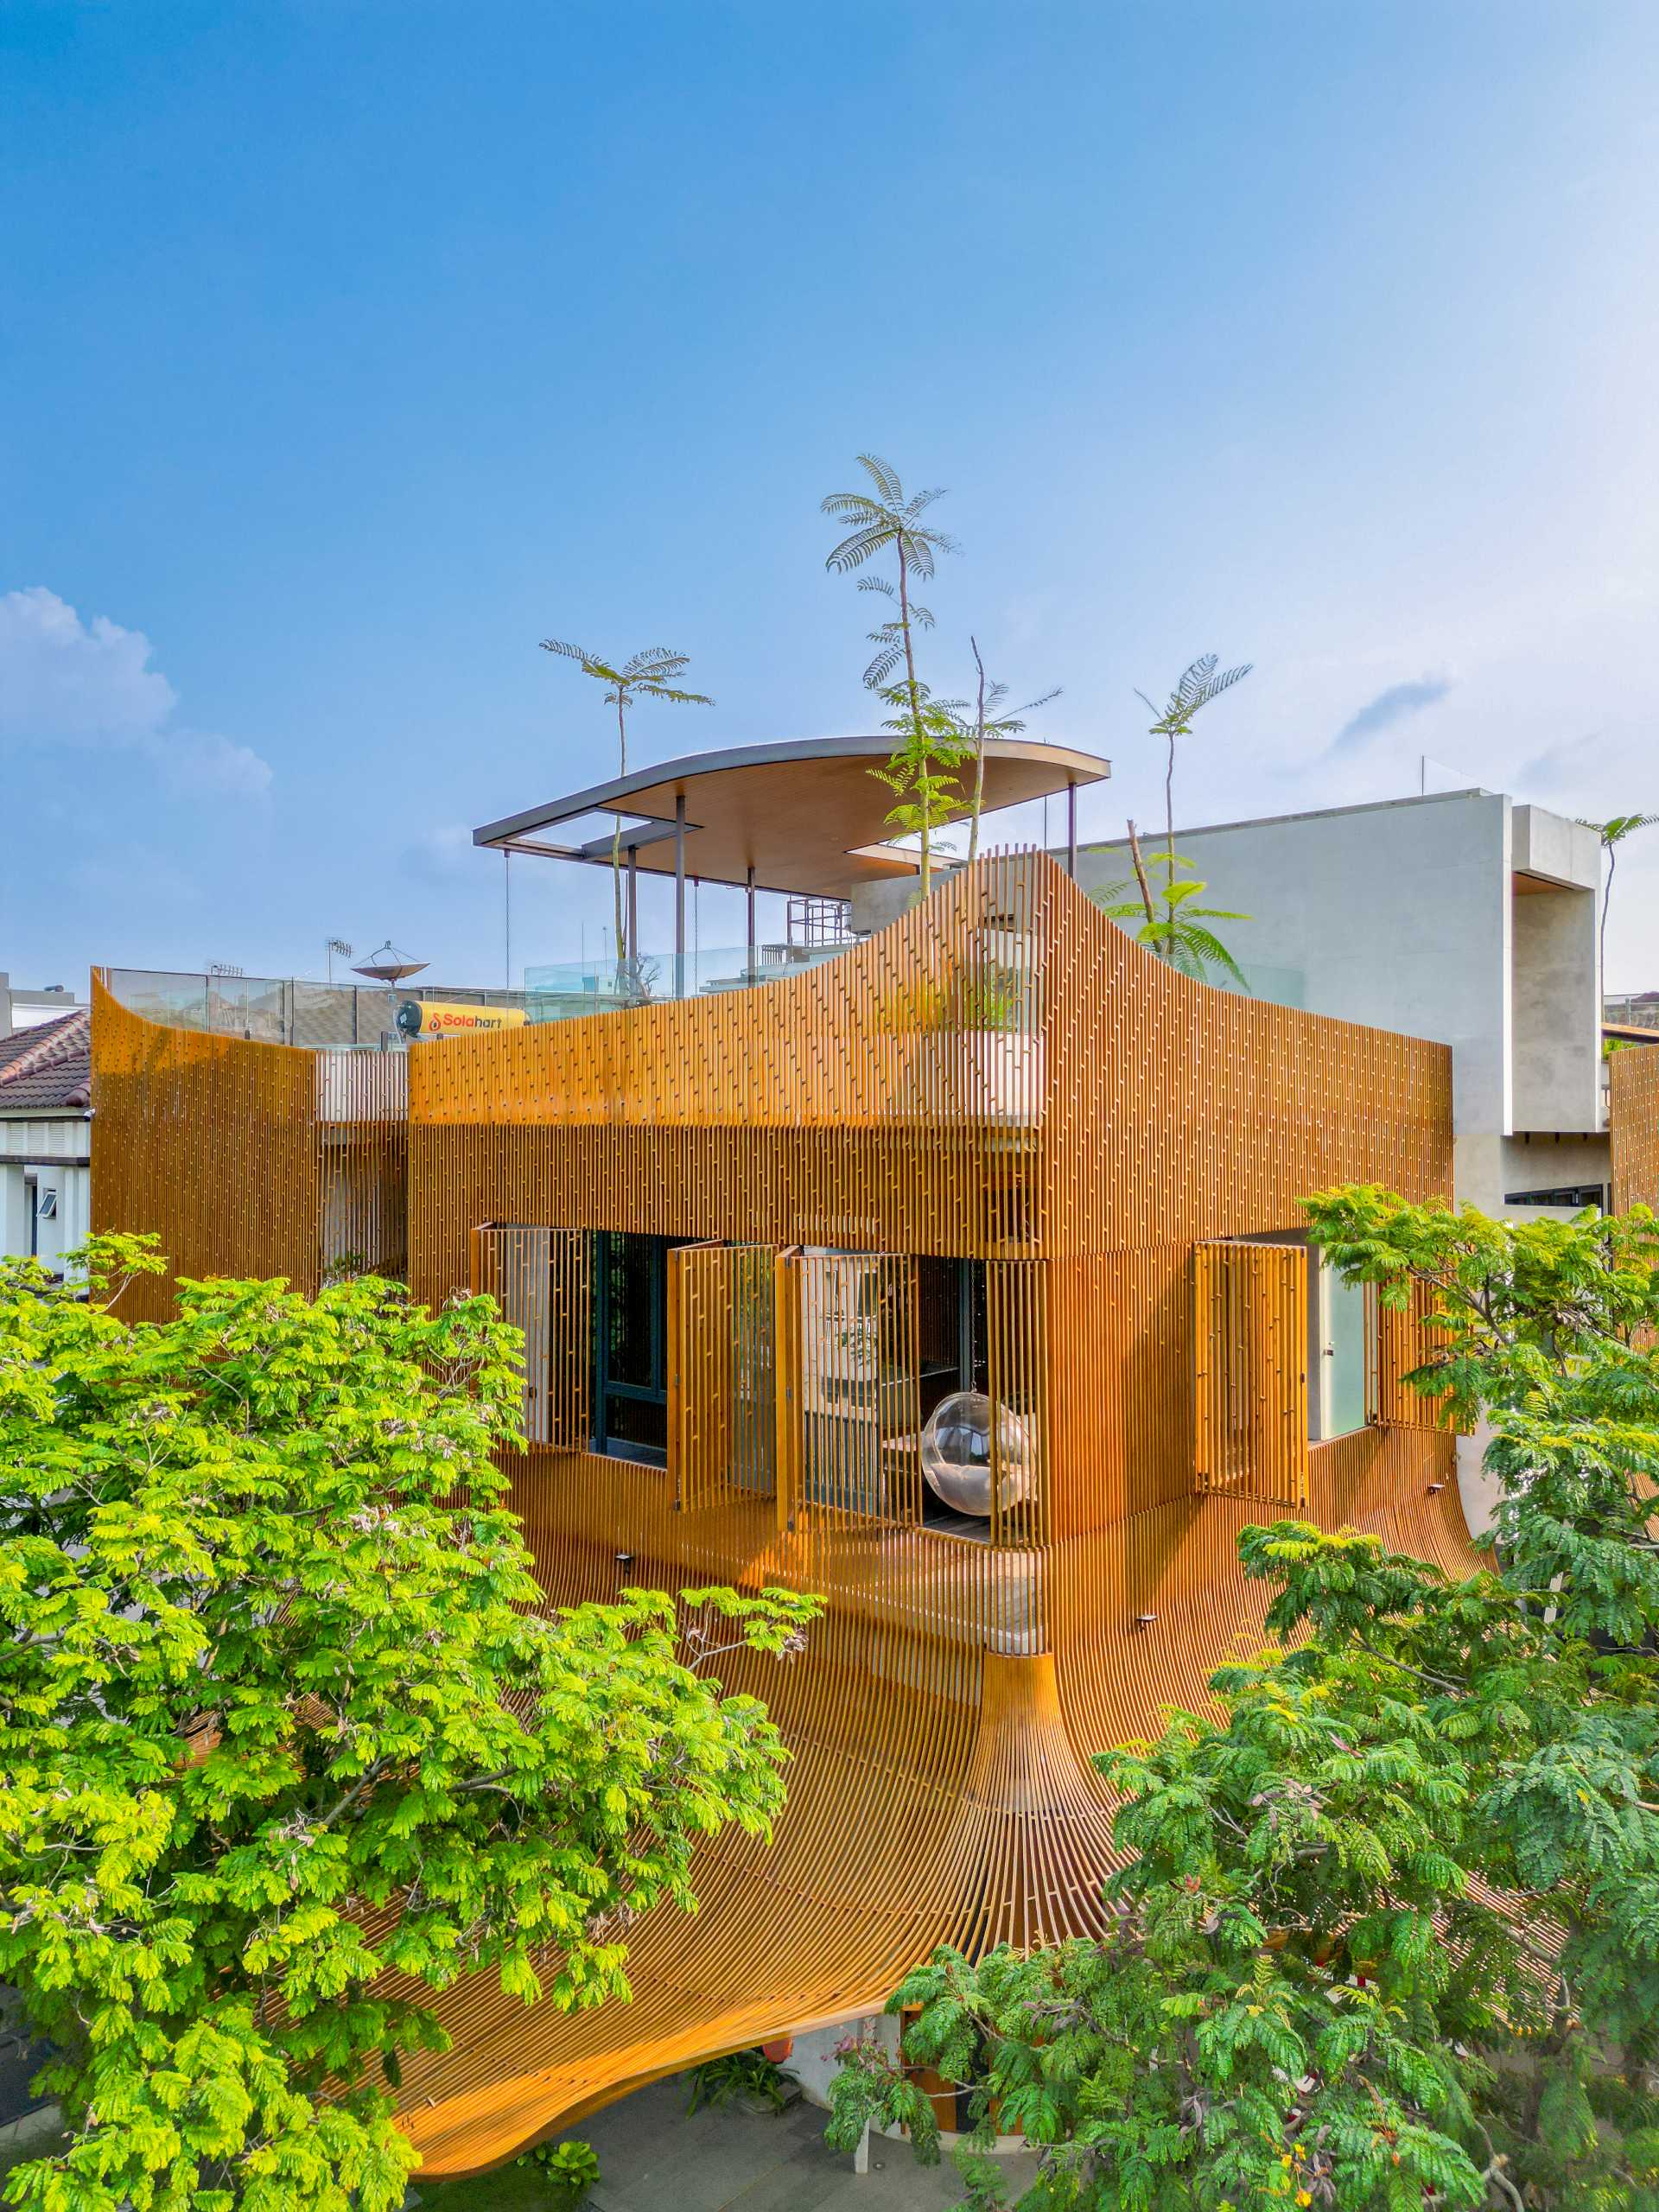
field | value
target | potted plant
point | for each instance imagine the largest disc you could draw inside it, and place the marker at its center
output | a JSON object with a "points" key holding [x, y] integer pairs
{"points": [[745, 2077], [570, 2170]]}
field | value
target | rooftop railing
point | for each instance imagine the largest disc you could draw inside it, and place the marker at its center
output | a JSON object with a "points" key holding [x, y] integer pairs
{"points": [[346, 1017], [579, 986], [285, 1010], [569, 989]]}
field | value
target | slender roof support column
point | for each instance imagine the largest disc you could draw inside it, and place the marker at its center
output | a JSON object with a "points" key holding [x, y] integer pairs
{"points": [[631, 926], [750, 889], [679, 896], [1072, 831]]}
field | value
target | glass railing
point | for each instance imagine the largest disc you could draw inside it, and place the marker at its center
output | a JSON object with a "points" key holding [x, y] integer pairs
{"points": [[285, 1010], [570, 988], [579, 986], [1274, 986]]}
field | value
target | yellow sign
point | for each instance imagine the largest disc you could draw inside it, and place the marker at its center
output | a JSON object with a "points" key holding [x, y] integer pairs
{"points": [[434, 1018]]}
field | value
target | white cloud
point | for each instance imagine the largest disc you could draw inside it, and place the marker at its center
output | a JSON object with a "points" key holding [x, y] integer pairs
{"points": [[66, 682], [444, 854], [194, 763]]}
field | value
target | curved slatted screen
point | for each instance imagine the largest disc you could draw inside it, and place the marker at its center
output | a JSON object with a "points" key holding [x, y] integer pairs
{"points": [[1003, 1078]]}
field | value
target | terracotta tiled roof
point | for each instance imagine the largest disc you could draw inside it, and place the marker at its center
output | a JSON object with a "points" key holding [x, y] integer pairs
{"points": [[48, 1068]]}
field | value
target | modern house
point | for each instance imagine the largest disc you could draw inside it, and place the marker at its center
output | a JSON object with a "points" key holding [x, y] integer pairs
{"points": [[45, 1138], [956, 1274]]}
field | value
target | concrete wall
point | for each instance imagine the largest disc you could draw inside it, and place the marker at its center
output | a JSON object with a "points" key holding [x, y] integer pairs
{"points": [[1555, 981], [1487, 1168], [1557, 1036]]}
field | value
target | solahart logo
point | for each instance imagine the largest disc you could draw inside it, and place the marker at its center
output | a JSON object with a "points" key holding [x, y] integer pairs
{"points": [[433, 1018]]}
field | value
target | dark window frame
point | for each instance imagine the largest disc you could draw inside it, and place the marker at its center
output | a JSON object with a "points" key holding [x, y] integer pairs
{"points": [[1575, 1196], [962, 1284], [605, 1389]]}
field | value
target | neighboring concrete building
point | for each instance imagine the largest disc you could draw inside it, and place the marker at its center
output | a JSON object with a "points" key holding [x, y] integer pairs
{"points": [[46, 1137], [21, 1009]]}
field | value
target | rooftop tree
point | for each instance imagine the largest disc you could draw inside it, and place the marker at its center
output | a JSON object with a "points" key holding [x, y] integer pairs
{"points": [[991, 717], [289, 1740], [647, 675], [1387, 1929], [882, 521], [1176, 927], [1613, 833], [1201, 682]]}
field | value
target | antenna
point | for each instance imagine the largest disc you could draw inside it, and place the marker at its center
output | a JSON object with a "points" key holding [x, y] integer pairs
{"points": [[332, 945]]}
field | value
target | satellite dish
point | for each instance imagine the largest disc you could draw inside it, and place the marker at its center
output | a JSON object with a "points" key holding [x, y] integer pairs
{"points": [[388, 965]]}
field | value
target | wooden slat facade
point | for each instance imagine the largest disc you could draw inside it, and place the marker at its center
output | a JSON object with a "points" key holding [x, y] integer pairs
{"points": [[1633, 1126], [1002, 1076]]}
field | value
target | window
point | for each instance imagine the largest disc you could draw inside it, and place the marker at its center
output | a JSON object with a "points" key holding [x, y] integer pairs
{"points": [[1341, 1336], [1574, 1195], [950, 1326], [630, 1396], [1343, 1316], [47, 1206], [952, 1343]]}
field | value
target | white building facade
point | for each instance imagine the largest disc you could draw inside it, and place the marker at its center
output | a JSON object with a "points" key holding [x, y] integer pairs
{"points": [[46, 1128]]}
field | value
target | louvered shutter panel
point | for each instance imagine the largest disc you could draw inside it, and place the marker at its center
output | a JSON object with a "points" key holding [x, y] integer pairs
{"points": [[1016, 1334], [723, 1381], [542, 1279], [1249, 1332], [1403, 1341], [848, 1385]]}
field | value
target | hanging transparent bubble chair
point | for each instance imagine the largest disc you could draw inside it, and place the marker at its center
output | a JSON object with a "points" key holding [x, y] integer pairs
{"points": [[964, 1433]]}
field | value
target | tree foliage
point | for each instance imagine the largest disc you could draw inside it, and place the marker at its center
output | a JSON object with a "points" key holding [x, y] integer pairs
{"points": [[288, 1740], [1387, 1929], [1176, 927]]}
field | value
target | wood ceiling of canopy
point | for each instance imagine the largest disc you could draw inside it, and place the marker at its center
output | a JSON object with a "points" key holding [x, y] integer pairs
{"points": [[806, 815]]}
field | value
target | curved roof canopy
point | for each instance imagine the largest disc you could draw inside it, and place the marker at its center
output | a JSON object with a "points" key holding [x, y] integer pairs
{"points": [[805, 814]]}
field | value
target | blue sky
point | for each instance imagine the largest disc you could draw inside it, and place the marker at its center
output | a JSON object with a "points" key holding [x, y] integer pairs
{"points": [[349, 349]]}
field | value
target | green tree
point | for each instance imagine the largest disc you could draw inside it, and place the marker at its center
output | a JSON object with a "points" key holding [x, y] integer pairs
{"points": [[930, 747], [1178, 933], [1613, 833], [647, 675], [288, 1736], [921, 771], [1201, 682], [991, 718], [1387, 1929]]}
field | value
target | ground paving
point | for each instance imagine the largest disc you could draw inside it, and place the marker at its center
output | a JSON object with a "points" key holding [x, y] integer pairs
{"points": [[654, 2157]]}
